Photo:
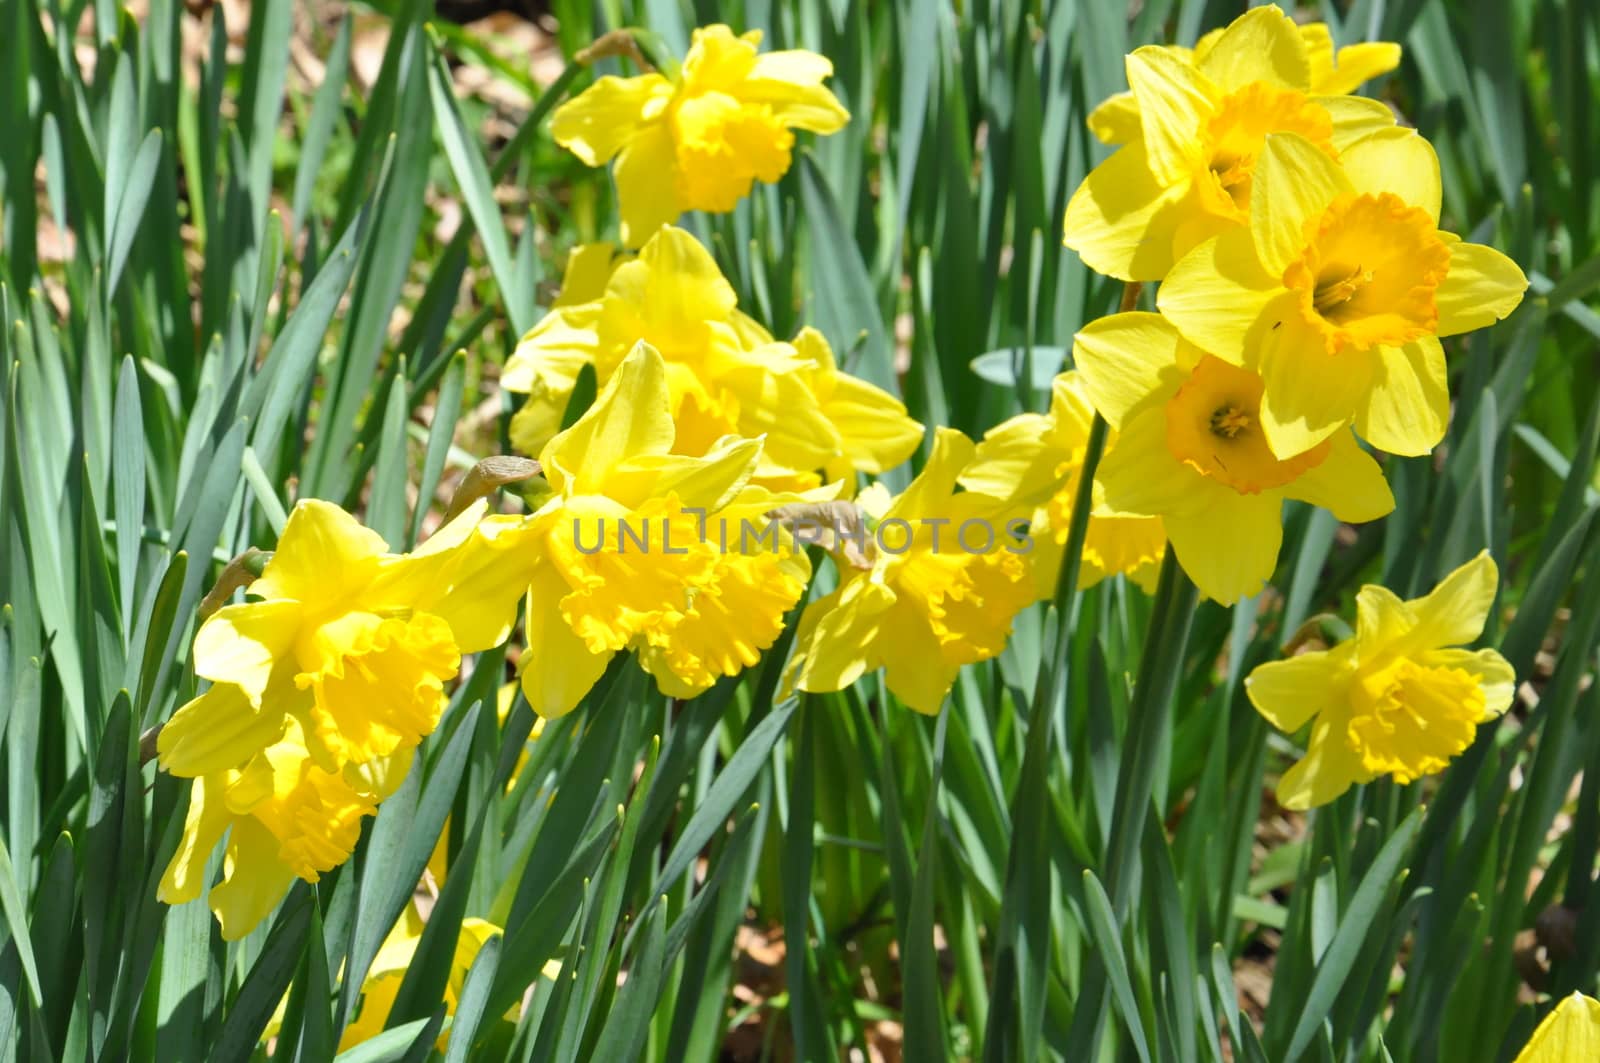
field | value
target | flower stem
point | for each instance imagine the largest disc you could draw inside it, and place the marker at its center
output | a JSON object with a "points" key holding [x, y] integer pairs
{"points": [[1149, 725]]}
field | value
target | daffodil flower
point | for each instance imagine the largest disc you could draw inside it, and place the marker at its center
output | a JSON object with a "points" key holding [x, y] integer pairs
{"points": [[1187, 171], [726, 374], [630, 551], [931, 601], [284, 817], [1398, 698], [1190, 449], [1036, 460], [1333, 73], [699, 140], [1338, 291], [353, 643], [1569, 1034]]}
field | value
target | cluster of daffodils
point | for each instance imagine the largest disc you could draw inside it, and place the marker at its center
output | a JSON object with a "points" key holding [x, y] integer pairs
{"points": [[1304, 289]]}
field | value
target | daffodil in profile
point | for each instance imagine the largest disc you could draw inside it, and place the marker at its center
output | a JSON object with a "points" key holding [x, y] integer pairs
{"points": [[698, 140], [351, 642], [1187, 170], [1036, 460], [726, 374], [1338, 292], [949, 573], [1569, 1034], [1333, 72], [283, 817], [630, 551], [1400, 698], [1190, 449]]}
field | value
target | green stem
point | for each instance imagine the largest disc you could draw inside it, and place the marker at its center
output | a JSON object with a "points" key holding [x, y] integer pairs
{"points": [[1150, 725]]}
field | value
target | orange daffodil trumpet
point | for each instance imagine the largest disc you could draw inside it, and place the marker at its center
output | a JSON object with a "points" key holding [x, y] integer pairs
{"points": [[1397, 699], [642, 548], [726, 375], [700, 139], [1037, 460], [1338, 290], [1193, 136], [320, 691], [949, 575], [1191, 450]]}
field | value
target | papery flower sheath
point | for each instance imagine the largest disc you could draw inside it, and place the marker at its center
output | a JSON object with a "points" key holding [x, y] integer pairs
{"points": [[1399, 698], [700, 139]]}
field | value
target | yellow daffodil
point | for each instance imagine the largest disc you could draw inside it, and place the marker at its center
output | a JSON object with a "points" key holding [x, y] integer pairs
{"points": [[1036, 460], [388, 971], [1397, 699], [1333, 73], [1187, 172], [1338, 290], [284, 817], [352, 642], [726, 374], [950, 573], [632, 551], [1190, 450], [1569, 1034], [699, 140]]}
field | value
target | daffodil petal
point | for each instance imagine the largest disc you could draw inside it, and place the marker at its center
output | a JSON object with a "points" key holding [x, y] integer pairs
{"points": [[1454, 613], [203, 826], [1294, 183], [1116, 120], [254, 879], [1381, 618], [1012, 461], [647, 193], [1398, 161], [1309, 394], [1571, 1032], [1122, 220], [631, 418], [1407, 404], [1328, 769], [239, 644], [216, 731], [601, 120], [558, 668], [927, 494], [914, 669], [1263, 44], [1354, 118], [835, 643], [323, 552], [1358, 63], [1128, 363], [1348, 483], [1482, 287], [1217, 296], [1174, 101], [1231, 549], [1289, 692], [1138, 475]]}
